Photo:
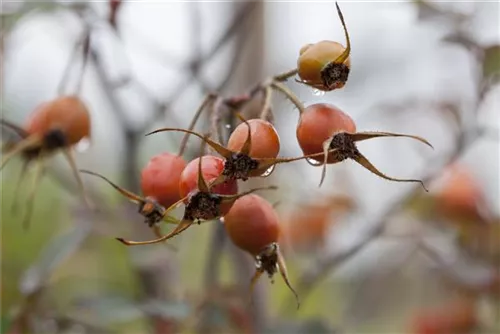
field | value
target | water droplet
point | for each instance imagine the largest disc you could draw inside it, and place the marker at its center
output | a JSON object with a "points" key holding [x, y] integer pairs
{"points": [[83, 145], [318, 92], [228, 126], [313, 162], [268, 171]]}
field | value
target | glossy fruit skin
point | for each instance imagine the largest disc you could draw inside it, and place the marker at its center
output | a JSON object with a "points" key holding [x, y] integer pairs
{"points": [[314, 57], [319, 122], [265, 139], [252, 224], [67, 114], [211, 167], [161, 176]]}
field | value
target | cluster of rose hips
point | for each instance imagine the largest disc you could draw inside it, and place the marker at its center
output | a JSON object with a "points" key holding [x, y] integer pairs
{"points": [[208, 186]]}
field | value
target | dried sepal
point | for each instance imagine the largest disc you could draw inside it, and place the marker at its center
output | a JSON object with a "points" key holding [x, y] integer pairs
{"points": [[21, 178], [216, 146], [360, 136], [342, 146], [270, 260], [267, 163], [149, 208], [343, 57], [68, 153], [363, 161], [201, 205], [334, 72], [247, 145], [128, 194], [233, 198], [202, 184], [255, 278], [182, 226], [284, 274], [27, 143], [238, 164], [39, 168], [20, 132], [326, 146]]}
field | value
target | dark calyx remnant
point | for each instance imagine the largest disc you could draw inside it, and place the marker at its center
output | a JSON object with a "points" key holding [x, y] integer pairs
{"points": [[53, 140], [152, 211], [346, 147], [203, 206], [334, 74], [267, 260], [239, 166]]}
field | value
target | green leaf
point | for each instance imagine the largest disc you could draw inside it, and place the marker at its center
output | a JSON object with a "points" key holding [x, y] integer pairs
{"points": [[491, 63]]}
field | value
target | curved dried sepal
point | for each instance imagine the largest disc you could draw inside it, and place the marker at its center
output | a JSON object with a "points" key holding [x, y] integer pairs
{"points": [[253, 281], [216, 146], [360, 136], [284, 274], [170, 219], [174, 206], [363, 161], [68, 153], [219, 180], [130, 195], [288, 94], [233, 198], [326, 145], [266, 163], [157, 232], [15, 195], [247, 145], [343, 57], [202, 184], [15, 128], [183, 225], [29, 142], [32, 192]]}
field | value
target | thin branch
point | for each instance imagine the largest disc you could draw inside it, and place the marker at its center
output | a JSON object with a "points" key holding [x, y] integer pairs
{"points": [[238, 20]]}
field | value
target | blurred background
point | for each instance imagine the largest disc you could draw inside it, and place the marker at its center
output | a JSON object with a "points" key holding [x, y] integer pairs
{"points": [[366, 255]]}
